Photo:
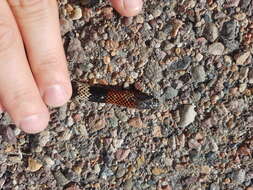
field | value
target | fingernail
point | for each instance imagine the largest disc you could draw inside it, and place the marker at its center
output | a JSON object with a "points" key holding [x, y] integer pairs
{"points": [[34, 123], [133, 5], [55, 95]]}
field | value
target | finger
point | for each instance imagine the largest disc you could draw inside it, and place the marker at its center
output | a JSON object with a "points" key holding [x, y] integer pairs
{"points": [[39, 25], [18, 90], [1, 109], [127, 7]]}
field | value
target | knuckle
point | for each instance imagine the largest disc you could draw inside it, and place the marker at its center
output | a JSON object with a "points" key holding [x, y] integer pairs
{"points": [[21, 97], [31, 10], [6, 36]]}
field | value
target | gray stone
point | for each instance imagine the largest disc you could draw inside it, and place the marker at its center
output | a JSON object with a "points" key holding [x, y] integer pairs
{"points": [[216, 48], [198, 74], [211, 32]]}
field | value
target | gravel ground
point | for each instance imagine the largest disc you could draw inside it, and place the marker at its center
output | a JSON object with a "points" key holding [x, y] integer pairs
{"points": [[194, 56]]}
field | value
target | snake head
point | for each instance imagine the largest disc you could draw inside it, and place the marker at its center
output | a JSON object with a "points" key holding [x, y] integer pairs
{"points": [[148, 102]]}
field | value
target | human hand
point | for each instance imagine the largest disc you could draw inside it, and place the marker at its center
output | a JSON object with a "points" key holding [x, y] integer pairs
{"points": [[33, 70]]}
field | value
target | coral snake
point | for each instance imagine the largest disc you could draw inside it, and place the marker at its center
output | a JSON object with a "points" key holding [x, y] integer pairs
{"points": [[126, 97]]}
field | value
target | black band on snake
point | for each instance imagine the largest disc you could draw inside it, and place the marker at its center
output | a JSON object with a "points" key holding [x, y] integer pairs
{"points": [[130, 97]]}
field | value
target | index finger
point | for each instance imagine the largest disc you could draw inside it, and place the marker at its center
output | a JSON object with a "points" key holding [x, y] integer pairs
{"points": [[127, 7]]}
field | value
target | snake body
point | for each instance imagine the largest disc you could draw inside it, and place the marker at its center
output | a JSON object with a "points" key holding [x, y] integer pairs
{"points": [[130, 97]]}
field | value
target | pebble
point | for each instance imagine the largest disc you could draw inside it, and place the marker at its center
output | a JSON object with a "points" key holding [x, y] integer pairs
{"points": [[156, 12], [120, 171], [242, 57], [97, 123], [60, 178], [157, 171], [214, 186], [44, 138], [199, 57], [66, 26], [157, 131], [136, 122], [216, 48], [182, 64], [8, 134], [250, 76], [242, 87], [211, 32], [49, 162], [128, 185], [76, 14], [198, 74], [33, 165], [106, 172], [170, 93], [239, 176], [187, 115]]}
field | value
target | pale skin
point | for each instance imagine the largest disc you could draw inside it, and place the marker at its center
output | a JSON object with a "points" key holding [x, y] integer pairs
{"points": [[33, 67]]}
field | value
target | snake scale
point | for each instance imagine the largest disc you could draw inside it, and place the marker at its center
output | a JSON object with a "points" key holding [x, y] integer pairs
{"points": [[126, 97]]}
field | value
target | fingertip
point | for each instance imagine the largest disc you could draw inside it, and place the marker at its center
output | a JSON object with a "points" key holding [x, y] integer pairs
{"points": [[34, 123], [57, 95], [127, 7]]}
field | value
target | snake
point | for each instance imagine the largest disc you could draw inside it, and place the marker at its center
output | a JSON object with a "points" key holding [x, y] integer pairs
{"points": [[113, 94]]}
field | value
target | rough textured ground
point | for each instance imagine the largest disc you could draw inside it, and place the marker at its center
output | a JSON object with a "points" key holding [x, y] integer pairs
{"points": [[195, 56]]}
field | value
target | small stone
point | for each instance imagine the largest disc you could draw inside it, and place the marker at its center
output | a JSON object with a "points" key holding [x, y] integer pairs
{"points": [[122, 154], [214, 186], [73, 187], [170, 93], [76, 14], [156, 12], [107, 12], [8, 134], [139, 19], [15, 159], [198, 74], [187, 115], [239, 176], [83, 130], [213, 145], [60, 178], [120, 172], [216, 48], [157, 131], [242, 57], [44, 138], [205, 169], [97, 169], [242, 87], [157, 171], [107, 172], [140, 161], [231, 3], [181, 64], [250, 76], [199, 57], [49, 162], [33, 165], [244, 73], [66, 26], [240, 16], [136, 122], [211, 32], [97, 123], [128, 185], [67, 134]]}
